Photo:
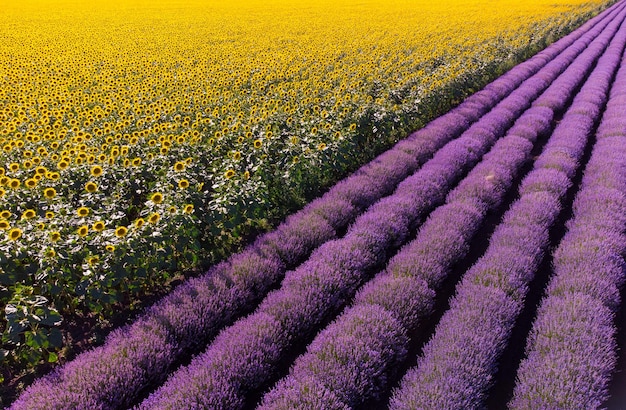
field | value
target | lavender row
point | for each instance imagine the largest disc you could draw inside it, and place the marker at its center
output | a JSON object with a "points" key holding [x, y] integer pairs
{"points": [[353, 359], [459, 362], [321, 286], [143, 353], [349, 365], [315, 291], [571, 349]]}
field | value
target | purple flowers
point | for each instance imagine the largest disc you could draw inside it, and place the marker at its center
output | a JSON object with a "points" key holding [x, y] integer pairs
{"points": [[571, 350], [458, 364]]}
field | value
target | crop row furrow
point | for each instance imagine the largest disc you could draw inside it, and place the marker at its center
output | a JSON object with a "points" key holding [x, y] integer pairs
{"points": [[245, 356], [350, 362], [571, 350], [459, 363]]}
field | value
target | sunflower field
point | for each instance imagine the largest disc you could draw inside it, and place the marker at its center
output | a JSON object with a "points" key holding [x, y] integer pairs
{"points": [[139, 139]]}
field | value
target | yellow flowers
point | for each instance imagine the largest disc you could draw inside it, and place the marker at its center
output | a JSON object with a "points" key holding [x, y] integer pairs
{"points": [[96, 170], [258, 144], [229, 174], [29, 214], [121, 231], [188, 209], [179, 166], [93, 260], [82, 230], [15, 234], [98, 226], [91, 187], [55, 236], [82, 211], [157, 197], [183, 184], [154, 218], [49, 193]]}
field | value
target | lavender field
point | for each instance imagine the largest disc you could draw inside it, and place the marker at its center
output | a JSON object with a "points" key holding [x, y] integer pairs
{"points": [[479, 263]]}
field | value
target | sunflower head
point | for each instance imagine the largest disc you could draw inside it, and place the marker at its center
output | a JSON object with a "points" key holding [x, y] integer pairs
{"points": [[154, 218], [98, 226], [121, 231], [15, 234], [91, 187], [157, 197], [82, 231], [49, 193], [82, 211]]}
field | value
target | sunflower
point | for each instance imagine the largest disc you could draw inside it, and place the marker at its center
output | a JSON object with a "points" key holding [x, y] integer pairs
{"points": [[121, 231], [4, 225], [110, 248], [229, 174], [28, 214], [188, 209], [49, 193], [258, 144], [157, 197], [183, 183], [92, 260], [179, 166], [83, 230], [15, 183], [55, 236], [91, 187], [5, 214], [154, 218], [98, 226], [82, 211], [139, 222], [15, 234], [96, 170], [49, 215]]}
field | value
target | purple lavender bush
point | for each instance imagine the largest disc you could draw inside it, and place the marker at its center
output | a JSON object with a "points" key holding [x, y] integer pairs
{"points": [[571, 349], [460, 361]]}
